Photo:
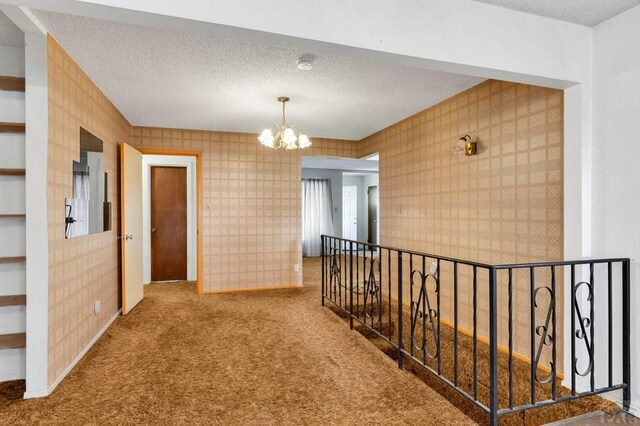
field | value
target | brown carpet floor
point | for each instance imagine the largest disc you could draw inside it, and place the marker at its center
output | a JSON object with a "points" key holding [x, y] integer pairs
{"points": [[272, 357]]}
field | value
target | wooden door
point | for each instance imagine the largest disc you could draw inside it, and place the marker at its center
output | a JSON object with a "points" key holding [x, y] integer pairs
{"points": [[168, 223], [373, 214], [131, 238]]}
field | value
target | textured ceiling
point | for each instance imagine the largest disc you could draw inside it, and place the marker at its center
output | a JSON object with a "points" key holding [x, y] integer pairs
{"points": [[158, 77], [583, 12], [10, 35]]}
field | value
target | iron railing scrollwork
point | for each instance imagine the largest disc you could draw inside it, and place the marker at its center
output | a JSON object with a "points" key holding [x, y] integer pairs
{"points": [[371, 287], [423, 313], [584, 325], [521, 303], [545, 333]]}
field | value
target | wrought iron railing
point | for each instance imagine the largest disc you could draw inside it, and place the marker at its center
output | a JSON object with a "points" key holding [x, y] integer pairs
{"points": [[493, 333]]}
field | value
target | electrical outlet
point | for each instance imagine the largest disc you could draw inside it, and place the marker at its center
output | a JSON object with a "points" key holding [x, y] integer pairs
{"points": [[296, 268], [97, 307]]}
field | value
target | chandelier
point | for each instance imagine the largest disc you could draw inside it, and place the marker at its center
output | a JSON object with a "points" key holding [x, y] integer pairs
{"points": [[285, 137]]}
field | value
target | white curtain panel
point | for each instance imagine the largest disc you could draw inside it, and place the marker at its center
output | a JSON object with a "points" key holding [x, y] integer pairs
{"points": [[80, 205], [317, 214]]}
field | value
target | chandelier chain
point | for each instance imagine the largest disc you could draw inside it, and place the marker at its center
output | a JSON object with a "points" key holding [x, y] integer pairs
{"points": [[284, 120]]}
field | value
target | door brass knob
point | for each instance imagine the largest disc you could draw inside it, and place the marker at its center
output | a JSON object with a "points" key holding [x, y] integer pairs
{"points": [[153, 229]]}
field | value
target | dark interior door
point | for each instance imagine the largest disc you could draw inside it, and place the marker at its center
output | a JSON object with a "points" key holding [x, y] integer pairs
{"points": [[372, 204], [168, 223]]}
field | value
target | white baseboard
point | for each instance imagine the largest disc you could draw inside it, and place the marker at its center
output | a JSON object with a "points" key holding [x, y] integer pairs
{"points": [[613, 396], [634, 409], [54, 385], [39, 393]]}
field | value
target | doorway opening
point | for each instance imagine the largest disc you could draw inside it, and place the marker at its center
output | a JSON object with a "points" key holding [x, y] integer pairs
{"points": [[349, 181], [362, 222], [372, 214], [170, 219]]}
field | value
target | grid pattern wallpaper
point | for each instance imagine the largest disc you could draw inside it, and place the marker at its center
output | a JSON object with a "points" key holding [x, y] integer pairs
{"points": [[504, 205], [82, 269], [251, 204]]}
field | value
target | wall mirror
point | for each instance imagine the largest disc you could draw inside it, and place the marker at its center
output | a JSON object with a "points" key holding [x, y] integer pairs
{"points": [[88, 211]]}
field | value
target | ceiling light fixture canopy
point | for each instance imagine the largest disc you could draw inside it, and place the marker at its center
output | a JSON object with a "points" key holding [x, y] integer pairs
{"points": [[285, 137]]}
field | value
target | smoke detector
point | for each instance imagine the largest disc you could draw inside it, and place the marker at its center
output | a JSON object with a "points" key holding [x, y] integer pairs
{"points": [[305, 62]]}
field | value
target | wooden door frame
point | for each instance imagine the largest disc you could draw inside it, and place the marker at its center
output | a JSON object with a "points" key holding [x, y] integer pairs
{"points": [[170, 250], [198, 155], [189, 163]]}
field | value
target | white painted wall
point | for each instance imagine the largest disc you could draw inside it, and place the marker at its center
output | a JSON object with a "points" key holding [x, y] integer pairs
{"points": [[13, 194], [11, 107], [12, 150], [12, 364], [616, 156], [12, 236], [13, 279], [12, 63], [192, 219]]}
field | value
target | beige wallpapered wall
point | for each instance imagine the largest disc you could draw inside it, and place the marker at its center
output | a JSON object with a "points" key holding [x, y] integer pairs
{"points": [[503, 205], [82, 269], [251, 204]]}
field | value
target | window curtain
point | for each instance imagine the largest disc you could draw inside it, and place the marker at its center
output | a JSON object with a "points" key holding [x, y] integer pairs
{"points": [[317, 214]]}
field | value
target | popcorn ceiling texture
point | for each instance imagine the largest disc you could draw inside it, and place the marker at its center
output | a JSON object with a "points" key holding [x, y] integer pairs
{"points": [[583, 12], [178, 74]]}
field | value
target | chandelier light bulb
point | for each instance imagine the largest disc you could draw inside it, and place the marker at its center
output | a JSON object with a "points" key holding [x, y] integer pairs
{"points": [[303, 141], [266, 138], [288, 136]]}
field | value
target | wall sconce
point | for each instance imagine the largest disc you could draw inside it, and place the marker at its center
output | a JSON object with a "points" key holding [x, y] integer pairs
{"points": [[466, 144]]}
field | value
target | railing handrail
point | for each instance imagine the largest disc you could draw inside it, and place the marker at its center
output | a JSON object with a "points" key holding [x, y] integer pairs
{"points": [[338, 259], [414, 252], [584, 261]]}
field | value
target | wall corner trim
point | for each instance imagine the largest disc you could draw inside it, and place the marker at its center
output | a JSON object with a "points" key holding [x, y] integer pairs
{"points": [[54, 385]]}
